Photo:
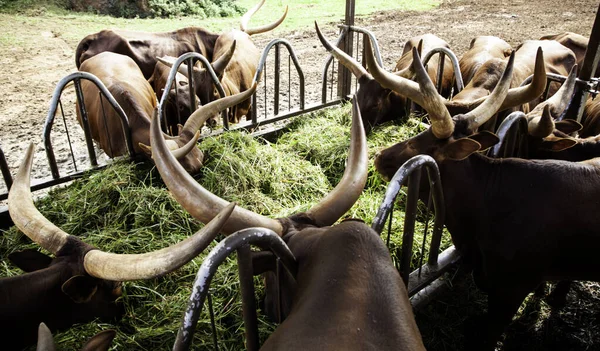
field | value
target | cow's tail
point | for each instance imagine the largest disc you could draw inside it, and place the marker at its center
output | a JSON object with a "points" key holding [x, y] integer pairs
{"points": [[246, 18]]}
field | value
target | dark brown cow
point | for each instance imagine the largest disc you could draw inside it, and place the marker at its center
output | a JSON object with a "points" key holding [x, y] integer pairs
{"points": [[379, 104], [98, 342], [481, 50], [347, 296], [518, 222], [235, 63], [178, 104], [82, 282], [144, 47]]}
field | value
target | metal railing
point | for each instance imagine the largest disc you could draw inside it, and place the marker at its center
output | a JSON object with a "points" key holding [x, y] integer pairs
{"points": [[437, 264], [512, 133], [239, 242]]}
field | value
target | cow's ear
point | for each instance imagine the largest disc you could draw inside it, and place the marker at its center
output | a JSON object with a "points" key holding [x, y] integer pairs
{"points": [[263, 261], [100, 341], [485, 138], [461, 149], [80, 288], [568, 126], [558, 144], [30, 260]]}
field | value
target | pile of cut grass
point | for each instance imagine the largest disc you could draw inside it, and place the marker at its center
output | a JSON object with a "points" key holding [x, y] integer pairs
{"points": [[127, 209]]}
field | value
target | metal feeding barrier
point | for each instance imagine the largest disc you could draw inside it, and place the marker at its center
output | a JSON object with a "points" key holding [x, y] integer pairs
{"points": [[426, 275], [239, 242], [512, 133]]}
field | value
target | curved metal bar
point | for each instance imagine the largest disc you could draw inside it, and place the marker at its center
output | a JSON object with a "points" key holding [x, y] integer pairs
{"points": [[54, 104], [459, 80], [405, 172], [173, 73], [292, 53], [374, 42], [510, 132], [5, 170], [262, 237]]}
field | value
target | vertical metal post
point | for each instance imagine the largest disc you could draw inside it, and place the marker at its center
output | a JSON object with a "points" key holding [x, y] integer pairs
{"points": [[191, 85], [276, 78], [85, 122], [5, 170], [344, 75], [409, 223], [248, 300], [440, 72], [590, 62]]}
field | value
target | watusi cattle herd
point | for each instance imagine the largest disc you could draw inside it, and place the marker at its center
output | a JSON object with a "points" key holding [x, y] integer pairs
{"points": [[515, 221]]}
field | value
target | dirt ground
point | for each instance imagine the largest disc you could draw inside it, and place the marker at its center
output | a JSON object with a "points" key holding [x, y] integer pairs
{"points": [[28, 77]]}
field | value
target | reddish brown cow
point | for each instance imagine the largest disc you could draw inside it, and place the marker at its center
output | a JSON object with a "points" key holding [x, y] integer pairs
{"points": [[576, 42], [82, 282], [144, 47], [347, 297], [235, 63], [379, 104], [481, 50]]}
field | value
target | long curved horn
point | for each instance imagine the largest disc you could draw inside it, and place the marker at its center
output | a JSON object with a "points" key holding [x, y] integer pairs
{"points": [[24, 214], [491, 105], [45, 341], [99, 264], [221, 63], [251, 31], [119, 267], [199, 202], [197, 119], [348, 190], [350, 63], [541, 118]]}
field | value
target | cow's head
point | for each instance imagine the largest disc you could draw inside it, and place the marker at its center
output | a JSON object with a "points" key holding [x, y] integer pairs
{"points": [[85, 278], [300, 230], [105, 40], [449, 137], [378, 104], [204, 85]]}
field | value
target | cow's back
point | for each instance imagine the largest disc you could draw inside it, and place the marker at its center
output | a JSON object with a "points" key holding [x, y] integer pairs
{"points": [[123, 78]]}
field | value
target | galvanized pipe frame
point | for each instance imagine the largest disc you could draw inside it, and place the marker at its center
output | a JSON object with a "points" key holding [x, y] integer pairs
{"points": [[410, 172], [512, 133], [277, 43], [76, 77], [344, 31], [443, 52], [190, 57], [239, 241]]}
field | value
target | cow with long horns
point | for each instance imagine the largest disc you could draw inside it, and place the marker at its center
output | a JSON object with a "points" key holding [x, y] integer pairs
{"points": [[235, 61], [81, 282], [379, 104], [347, 296], [517, 222]]}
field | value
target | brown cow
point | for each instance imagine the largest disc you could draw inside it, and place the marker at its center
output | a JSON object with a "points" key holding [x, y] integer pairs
{"points": [[517, 222], [379, 104], [144, 47], [576, 42], [82, 282], [481, 50], [347, 297], [235, 63]]}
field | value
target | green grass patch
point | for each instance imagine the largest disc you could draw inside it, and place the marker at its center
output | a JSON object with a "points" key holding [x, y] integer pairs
{"points": [[127, 209]]}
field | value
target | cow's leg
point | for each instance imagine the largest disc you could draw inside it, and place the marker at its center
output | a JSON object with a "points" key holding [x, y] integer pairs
{"points": [[502, 306]]}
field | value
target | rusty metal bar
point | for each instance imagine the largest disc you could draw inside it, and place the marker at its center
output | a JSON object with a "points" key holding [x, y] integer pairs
{"points": [[261, 237], [62, 112], [85, 123], [344, 82], [244, 261], [5, 170], [277, 67], [213, 327], [410, 217], [52, 111]]}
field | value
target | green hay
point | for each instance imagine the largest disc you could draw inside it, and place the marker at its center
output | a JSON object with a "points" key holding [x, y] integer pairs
{"points": [[127, 209]]}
